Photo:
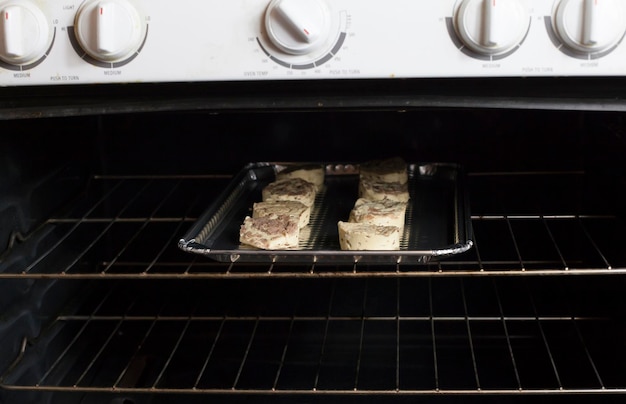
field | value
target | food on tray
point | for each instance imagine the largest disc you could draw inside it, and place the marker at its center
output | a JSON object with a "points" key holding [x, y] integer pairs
{"points": [[362, 236], [387, 170], [313, 173], [375, 222], [297, 210], [276, 221], [275, 232], [377, 217], [385, 212], [292, 189], [377, 191]]}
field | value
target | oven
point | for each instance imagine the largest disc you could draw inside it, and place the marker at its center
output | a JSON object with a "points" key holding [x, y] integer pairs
{"points": [[127, 126]]}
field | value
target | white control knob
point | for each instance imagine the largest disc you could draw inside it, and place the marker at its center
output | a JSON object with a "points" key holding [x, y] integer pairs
{"points": [[25, 34], [491, 27], [590, 26], [297, 27], [109, 30]]}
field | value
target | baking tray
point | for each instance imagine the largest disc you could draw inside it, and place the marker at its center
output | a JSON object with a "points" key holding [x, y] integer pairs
{"points": [[438, 222]]}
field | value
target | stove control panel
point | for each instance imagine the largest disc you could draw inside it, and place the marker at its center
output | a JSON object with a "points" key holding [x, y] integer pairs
{"points": [[63, 42]]}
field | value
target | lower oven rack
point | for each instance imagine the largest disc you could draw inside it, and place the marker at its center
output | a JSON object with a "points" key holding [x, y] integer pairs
{"points": [[485, 323], [501, 337]]}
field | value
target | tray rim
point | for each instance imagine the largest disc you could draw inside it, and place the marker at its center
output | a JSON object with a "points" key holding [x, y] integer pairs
{"points": [[463, 224]]}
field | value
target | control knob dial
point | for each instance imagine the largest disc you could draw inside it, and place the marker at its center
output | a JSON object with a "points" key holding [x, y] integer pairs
{"points": [[590, 26], [25, 33], [491, 27], [109, 30], [297, 27]]}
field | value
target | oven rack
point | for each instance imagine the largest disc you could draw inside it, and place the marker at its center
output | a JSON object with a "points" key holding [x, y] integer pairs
{"points": [[427, 336], [127, 227]]}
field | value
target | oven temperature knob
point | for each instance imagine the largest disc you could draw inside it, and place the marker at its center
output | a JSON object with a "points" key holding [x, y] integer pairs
{"points": [[297, 27], [25, 32], [491, 27], [590, 26], [109, 30]]}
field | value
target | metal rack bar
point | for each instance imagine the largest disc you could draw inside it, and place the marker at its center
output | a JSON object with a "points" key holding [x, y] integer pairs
{"points": [[397, 334], [588, 354], [192, 263], [545, 341], [138, 231], [230, 268], [284, 354], [72, 342], [209, 355], [137, 349], [554, 243], [540, 217], [418, 272], [325, 338], [361, 337], [102, 348], [321, 393], [432, 329], [45, 254], [117, 220], [517, 252], [104, 177], [139, 219], [104, 231], [524, 173], [245, 356], [481, 266], [172, 353], [508, 337], [391, 318], [585, 347], [469, 335], [171, 240], [305, 269], [594, 244]]}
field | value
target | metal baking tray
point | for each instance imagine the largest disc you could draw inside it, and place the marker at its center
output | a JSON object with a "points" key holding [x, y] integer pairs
{"points": [[438, 221]]}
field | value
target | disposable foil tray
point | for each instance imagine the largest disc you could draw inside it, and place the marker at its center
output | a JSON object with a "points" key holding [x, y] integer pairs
{"points": [[437, 218]]}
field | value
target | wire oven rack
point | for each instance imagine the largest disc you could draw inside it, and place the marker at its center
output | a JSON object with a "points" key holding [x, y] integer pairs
{"points": [[120, 233], [425, 336], [481, 323]]}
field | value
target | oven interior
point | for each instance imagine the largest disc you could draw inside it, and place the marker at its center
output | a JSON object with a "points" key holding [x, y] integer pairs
{"points": [[100, 305]]}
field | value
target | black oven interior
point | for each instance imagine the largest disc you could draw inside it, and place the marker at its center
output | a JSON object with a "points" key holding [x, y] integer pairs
{"points": [[100, 305]]}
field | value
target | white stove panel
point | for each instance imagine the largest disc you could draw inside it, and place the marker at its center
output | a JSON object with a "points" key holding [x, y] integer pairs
{"points": [[127, 41]]}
